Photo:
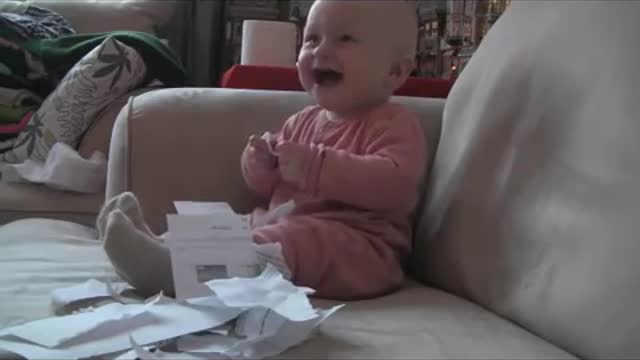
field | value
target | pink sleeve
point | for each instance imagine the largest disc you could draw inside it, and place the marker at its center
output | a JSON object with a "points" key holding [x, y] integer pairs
{"points": [[385, 178]]}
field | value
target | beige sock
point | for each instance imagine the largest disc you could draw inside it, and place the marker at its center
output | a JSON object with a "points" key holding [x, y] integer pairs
{"points": [[129, 205], [141, 259]]}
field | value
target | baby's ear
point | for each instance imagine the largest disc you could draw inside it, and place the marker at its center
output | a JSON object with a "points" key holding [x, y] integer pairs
{"points": [[400, 71]]}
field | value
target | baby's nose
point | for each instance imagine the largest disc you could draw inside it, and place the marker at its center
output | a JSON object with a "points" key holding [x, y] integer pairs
{"points": [[324, 49]]}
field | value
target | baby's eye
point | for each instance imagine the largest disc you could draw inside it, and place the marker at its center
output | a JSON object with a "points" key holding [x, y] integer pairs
{"points": [[347, 38]]}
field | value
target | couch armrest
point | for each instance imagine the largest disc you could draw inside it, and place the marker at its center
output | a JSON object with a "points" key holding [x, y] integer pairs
{"points": [[98, 136], [185, 144]]}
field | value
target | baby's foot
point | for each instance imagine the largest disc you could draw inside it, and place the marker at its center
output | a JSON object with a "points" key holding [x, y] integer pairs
{"points": [[139, 258], [129, 205]]}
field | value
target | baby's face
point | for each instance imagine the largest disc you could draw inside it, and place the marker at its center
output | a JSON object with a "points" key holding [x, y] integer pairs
{"points": [[347, 56]]}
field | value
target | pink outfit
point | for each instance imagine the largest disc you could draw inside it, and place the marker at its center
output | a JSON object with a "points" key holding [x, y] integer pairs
{"points": [[350, 232]]}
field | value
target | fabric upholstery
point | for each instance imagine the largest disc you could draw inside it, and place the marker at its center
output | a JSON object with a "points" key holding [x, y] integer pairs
{"points": [[98, 135], [203, 131], [101, 16], [18, 201], [534, 204], [40, 255]]}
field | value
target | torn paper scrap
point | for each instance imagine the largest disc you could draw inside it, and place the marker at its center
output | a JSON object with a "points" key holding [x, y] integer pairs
{"points": [[75, 325], [161, 355], [270, 138], [143, 353], [90, 289], [165, 319], [271, 253], [278, 336], [274, 214], [269, 289], [64, 169], [245, 319], [264, 333]]}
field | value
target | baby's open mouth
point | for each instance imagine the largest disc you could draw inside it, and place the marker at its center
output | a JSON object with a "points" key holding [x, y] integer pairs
{"points": [[327, 77]]}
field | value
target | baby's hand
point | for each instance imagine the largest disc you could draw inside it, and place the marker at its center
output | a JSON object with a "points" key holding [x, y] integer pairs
{"points": [[292, 161], [260, 153]]}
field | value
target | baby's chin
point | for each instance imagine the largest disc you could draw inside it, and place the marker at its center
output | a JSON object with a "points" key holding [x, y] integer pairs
{"points": [[336, 103], [343, 103]]}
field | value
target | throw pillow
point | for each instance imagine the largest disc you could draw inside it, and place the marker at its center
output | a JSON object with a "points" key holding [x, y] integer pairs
{"points": [[100, 77]]}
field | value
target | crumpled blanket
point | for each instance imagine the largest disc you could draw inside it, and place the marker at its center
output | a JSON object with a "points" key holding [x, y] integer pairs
{"points": [[64, 170], [18, 23], [20, 68], [34, 22]]}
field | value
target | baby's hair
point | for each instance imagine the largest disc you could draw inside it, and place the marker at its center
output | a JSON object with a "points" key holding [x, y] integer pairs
{"points": [[404, 22]]}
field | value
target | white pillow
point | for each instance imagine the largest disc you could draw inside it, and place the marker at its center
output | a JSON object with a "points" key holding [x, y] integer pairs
{"points": [[100, 77]]}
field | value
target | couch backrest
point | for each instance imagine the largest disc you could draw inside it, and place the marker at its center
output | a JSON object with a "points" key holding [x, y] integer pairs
{"points": [[220, 121], [533, 210], [164, 19], [108, 15]]}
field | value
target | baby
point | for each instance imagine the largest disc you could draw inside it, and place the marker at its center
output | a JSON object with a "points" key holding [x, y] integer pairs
{"points": [[352, 163]]}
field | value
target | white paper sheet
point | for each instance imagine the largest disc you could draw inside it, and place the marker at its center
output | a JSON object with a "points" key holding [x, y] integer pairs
{"points": [[193, 266], [64, 169], [269, 290], [72, 326], [277, 336], [213, 227], [202, 207], [89, 289], [34, 352], [272, 254], [211, 246]]}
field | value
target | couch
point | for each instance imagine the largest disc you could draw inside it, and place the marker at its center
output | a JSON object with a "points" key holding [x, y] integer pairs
{"points": [[525, 241], [26, 200], [417, 322]]}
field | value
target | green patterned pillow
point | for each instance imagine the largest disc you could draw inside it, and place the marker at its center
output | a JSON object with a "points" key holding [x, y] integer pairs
{"points": [[103, 75]]}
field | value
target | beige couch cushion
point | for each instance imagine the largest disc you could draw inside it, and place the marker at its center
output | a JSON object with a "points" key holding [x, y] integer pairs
{"points": [[40, 255], [417, 323], [535, 201], [18, 201], [109, 15], [421, 323]]}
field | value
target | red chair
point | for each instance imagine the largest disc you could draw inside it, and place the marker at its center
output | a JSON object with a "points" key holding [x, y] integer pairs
{"points": [[281, 78]]}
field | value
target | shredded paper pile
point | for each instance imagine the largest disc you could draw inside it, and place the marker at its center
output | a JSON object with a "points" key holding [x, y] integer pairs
{"points": [[245, 318]]}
